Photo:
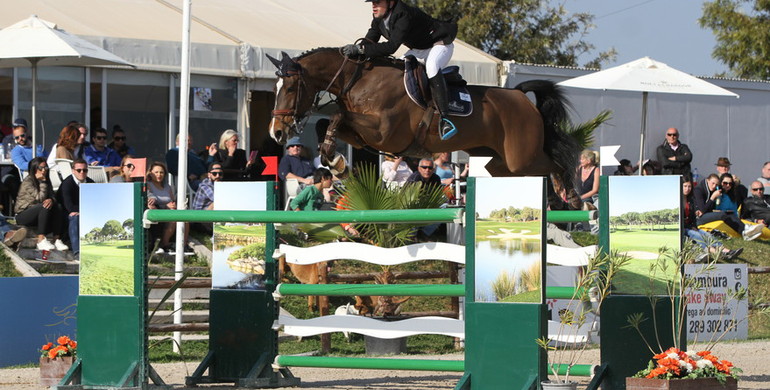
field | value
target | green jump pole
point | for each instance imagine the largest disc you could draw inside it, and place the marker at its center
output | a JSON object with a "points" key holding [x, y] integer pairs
{"points": [[342, 216], [577, 369], [562, 292], [450, 290], [371, 363], [563, 216]]}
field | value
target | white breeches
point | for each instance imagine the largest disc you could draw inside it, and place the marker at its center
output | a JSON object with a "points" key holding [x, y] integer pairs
{"points": [[435, 58]]}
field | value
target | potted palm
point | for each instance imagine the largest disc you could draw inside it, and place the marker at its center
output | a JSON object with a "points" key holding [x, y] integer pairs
{"points": [[671, 366], [591, 287]]}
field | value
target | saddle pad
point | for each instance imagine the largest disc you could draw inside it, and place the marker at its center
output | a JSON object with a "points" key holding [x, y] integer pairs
{"points": [[416, 85]]}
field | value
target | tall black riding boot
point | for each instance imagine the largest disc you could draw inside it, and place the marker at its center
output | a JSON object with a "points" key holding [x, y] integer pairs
{"points": [[438, 89]]}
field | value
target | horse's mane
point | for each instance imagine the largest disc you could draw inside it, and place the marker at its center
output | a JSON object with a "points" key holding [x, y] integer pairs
{"points": [[376, 61]]}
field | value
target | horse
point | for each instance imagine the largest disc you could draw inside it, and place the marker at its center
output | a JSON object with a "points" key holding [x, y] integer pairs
{"points": [[520, 137]]}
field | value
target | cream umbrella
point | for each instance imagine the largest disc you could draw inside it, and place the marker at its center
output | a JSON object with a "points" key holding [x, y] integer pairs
{"points": [[40, 43], [646, 75]]}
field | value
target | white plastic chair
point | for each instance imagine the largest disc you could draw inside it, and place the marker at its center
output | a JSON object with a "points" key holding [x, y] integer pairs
{"points": [[290, 191], [97, 174], [64, 166], [55, 180]]}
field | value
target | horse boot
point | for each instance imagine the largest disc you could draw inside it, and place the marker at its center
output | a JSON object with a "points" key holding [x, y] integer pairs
{"points": [[438, 89]]}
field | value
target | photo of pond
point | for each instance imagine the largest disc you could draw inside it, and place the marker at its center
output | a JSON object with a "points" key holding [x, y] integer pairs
{"points": [[509, 221]]}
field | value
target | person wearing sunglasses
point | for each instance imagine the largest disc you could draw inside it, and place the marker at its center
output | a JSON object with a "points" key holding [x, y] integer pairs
{"points": [[127, 168], [426, 173], [68, 196], [204, 197], [674, 156], [99, 154], [21, 154], [118, 143], [36, 206], [716, 200], [757, 206]]}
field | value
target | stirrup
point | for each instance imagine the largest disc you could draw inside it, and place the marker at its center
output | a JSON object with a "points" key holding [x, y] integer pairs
{"points": [[445, 135]]}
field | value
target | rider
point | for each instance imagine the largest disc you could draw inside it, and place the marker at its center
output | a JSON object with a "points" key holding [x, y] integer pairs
{"points": [[428, 39]]}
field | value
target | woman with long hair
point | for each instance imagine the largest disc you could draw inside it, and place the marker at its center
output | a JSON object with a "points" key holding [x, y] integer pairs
{"points": [[36, 206], [160, 195], [126, 169], [68, 140], [588, 177], [701, 237]]}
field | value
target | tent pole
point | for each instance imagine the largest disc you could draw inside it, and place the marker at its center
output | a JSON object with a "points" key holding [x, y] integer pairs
{"points": [[34, 61], [644, 127]]}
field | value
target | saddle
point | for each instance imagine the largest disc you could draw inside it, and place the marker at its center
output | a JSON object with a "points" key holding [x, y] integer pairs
{"points": [[416, 84]]}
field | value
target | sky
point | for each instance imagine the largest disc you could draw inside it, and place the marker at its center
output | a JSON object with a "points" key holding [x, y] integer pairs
{"points": [[665, 30], [643, 193], [499, 193]]}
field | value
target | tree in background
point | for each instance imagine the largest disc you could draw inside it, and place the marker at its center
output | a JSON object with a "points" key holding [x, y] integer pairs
{"points": [[742, 30], [521, 30]]}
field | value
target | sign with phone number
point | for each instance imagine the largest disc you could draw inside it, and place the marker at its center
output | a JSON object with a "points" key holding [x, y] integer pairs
{"points": [[712, 309]]}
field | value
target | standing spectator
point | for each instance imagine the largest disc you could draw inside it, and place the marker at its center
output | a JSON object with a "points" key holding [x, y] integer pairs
{"points": [[126, 169], [232, 158], [395, 171], [674, 156], [204, 197], [588, 177], [69, 197], [312, 197], [706, 194], [765, 177], [37, 207], [196, 167], [757, 207], [99, 154], [293, 165], [425, 173], [21, 154], [119, 144]]}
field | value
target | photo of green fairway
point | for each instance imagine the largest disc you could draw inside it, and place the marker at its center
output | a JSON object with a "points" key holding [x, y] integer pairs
{"points": [[107, 268]]}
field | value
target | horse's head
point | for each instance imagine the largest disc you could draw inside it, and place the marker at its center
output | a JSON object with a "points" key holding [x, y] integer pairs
{"points": [[293, 99]]}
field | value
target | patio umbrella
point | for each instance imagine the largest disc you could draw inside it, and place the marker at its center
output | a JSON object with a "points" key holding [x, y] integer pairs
{"points": [[40, 43], [646, 75]]}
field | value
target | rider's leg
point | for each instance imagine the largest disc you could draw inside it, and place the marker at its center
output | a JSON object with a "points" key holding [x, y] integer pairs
{"points": [[439, 57]]}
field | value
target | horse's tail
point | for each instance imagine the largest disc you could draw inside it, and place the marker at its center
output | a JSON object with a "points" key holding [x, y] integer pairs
{"points": [[560, 146]]}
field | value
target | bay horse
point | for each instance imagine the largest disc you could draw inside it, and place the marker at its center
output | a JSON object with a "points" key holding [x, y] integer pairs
{"points": [[522, 138]]}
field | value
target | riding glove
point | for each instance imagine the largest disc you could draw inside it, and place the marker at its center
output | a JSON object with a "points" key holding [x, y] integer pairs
{"points": [[352, 50]]}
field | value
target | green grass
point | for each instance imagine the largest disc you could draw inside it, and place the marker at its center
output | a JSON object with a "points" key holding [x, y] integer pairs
{"points": [[643, 240], [483, 228], [107, 268], [240, 230], [7, 269]]}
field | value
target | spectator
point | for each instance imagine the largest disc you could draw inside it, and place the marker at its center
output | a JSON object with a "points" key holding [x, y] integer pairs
{"points": [[588, 178], [625, 168], [11, 236], [69, 197], [126, 170], [395, 170], [757, 207], [701, 237], [160, 195], [425, 173], [723, 166], [294, 166], [37, 207], [204, 197], [68, 141], [312, 197], [196, 167], [650, 168], [706, 194], [99, 154], [445, 170], [119, 144], [765, 177], [674, 156], [232, 158], [21, 154], [82, 143]]}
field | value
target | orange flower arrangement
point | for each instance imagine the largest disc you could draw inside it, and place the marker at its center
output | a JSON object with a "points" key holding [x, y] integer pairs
{"points": [[64, 347], [674, 363]]}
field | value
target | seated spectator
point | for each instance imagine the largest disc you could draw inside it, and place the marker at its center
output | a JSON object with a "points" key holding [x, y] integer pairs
{"points": [[588, 178], [21, 154], [706, 194], [765, 177], [37, 207], [294, 166], [444, 169], [395, 170], [204, 197], [196, 167], [82, 143], [625, 168], [12, 235], [232, 158], [126, 170], [69, 197], [723, 166], [160, 195], [9, 175], [64, 148], [650, 168], [425, 173], [701, 237], [99, 154], [119, 144], [757, 207], [312, 197], [674, 156]]}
